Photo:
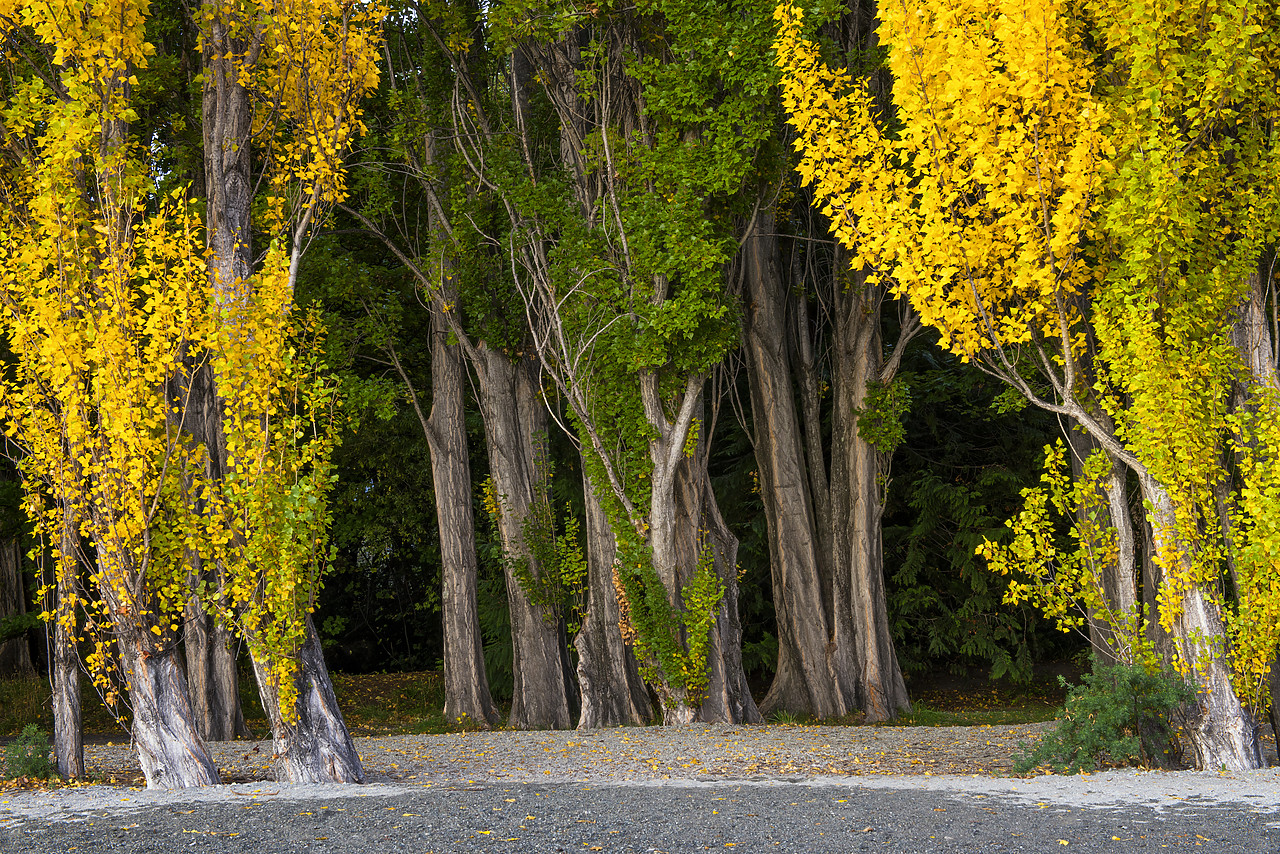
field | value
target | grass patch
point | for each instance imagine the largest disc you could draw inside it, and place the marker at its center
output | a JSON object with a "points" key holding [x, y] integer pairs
{"points": [[923, 714], [28, 700], [985, 705], [412, 703], [372, 704], [394, 703]]}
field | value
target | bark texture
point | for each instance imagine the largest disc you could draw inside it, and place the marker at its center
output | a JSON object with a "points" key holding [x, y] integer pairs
{"points": [[1223, 733], [1119, 577], [312, 745], [815, 675], [859, 475], [212, 676], [227, 116], [515, 423], [613, 693], [728, 697], [466, 685], [170, 750], [64, 669], [684, 526]]}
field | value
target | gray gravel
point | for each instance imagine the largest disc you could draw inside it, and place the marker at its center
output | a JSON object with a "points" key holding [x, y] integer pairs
{"points": [[464, 794], [903, 814]]}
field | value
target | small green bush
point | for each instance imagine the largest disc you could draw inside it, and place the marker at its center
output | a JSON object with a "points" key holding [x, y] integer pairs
{"points": [[1118, 715], [28, 755]]}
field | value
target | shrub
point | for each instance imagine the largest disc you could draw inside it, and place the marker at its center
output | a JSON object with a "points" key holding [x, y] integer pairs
{"points": [[28, 755], [1118, 715]]}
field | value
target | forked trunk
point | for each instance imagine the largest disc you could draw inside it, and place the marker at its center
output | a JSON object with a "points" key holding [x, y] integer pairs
{"points": [[685, 529], [313, 745], [858, 480], [1223, 733], [613, 693], [171, 752], [466, 686], [812, 674], [515, 427]]}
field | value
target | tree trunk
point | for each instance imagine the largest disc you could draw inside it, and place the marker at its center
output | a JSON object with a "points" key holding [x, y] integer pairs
{"points": [[171, 752], [209, 645], [1223, 733], [684, 526], [212, 676], [812, 673], [64, 660], [1251, 335], [15, 654], [312, 745], [515, 433], [466, 686], [613, 693], [1119, 577], [227, 116], [728, 697], [858, 481]]}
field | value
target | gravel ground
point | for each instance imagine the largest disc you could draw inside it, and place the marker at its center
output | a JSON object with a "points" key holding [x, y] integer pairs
{"points": [[806, 789], [697, 751]]}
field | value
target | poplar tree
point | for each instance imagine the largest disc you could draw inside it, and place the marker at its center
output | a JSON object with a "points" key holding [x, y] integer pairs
{"points": [[100, 295], [1078, 199]]}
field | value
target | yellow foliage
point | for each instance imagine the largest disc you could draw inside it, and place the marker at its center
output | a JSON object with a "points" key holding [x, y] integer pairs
{"points": [[978, 207]]}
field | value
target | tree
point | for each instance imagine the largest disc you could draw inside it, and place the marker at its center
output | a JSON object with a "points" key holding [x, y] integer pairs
{"points": [[1055, 204], [287, 77], [620, 258], [489, 336], [99, 298]]}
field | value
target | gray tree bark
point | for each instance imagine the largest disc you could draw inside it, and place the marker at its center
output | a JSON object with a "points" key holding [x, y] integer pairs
{"points": [[684, 523], [170, 750], [312, 745], [227, 117], [858, 480], [1223, 733], [814, 674], [1252, 336], [613, 694], [515, 425], [466, 685], [728, 697], [1119, 577], [64, 661]]}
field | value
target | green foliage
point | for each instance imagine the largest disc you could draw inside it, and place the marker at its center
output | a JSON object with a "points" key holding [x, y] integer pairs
{"points": [[494, 615], [1118, 715], [957, 476], [28, 755], [880, 421], [17, 625], [1066, 583], [701, 597], [760, 656], [559, 588], [654, 627]]}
